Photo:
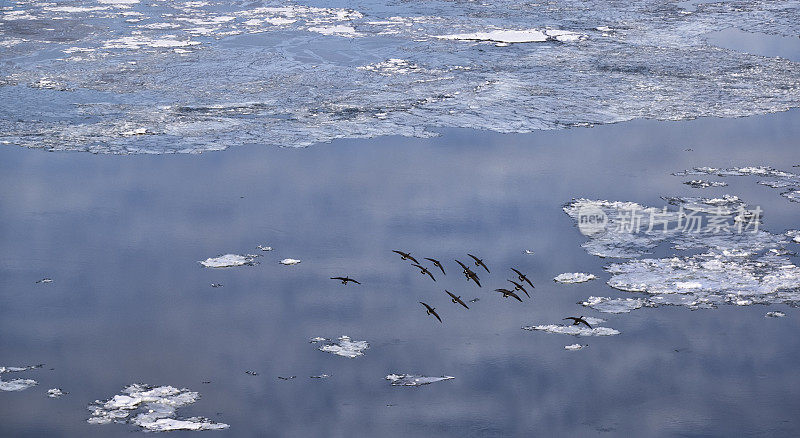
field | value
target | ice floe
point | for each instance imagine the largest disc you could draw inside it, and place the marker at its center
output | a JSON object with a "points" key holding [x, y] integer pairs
{"points": [[575, 347], [16, 384], [517, 36], [775, 314], [703, 184], [778, 179], [44, 280], [794, 235], [573, 330], [393, 66], [264, 248], [343, 346], [414, 380], [614, 305], [290, 261], [229, 260], [574, 277], [56, 393], [153, 408]]}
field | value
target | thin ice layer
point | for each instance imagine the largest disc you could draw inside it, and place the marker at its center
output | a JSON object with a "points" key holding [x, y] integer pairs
{"points": [[414, 380]]}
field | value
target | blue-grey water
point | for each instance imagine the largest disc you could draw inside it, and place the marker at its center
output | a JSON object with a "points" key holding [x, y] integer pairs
{"points": [[387, 96]]}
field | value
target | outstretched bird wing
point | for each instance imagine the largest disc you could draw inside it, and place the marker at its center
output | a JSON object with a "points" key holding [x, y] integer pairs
{"points": [[515, 296], [519, 286], [437, 263], [338, 278], [436, 315], [475, 278], [463, 266], [355, 281], [426, 306], [479, 262], [457, 299]]}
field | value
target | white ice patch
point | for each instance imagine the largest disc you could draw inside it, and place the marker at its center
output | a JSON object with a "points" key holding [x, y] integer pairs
{"points": [[779, 179], [575, 347], [794, 235], [343, 346], [517, 36], [229, 260], [390, 67], [290, 261], [703, 184], [264, 248], [614, 305], [16, 384], [414, 380], [775, 314], [55, 393], [338, 30], [151, 408], [574, 277], [573, 330]]}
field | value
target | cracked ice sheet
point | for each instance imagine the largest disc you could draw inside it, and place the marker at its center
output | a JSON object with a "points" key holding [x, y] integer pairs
{"points": [[151, 408], [343, 346], [778, 179], [641, 59], [735, 268], [414, 380]]}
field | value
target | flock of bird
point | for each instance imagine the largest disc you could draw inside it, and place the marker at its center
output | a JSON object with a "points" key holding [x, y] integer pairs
{"points": [[470, 275]]}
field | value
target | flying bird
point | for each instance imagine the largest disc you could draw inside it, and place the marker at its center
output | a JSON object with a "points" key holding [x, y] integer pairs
{"points": [[578, 320], [344, 280], [518, 286], [455, 299], [436, 263], [468, 272], [405, 255], [423, 270], [479, 262], [472, 276], [522, 277], [431, 311], [509, 293]]}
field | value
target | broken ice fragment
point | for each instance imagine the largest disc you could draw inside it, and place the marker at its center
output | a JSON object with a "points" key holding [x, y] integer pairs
{"points": [[574, 347], [264, 248], [794, 235], [290, 261], [343, 346], [613, 305], [574, 277], [229, 260], [414, 380], [44, 280], [775, 314], [55, 393], [573, 330], [321, 376], [16, 384], [151, 408], [702, 184]]}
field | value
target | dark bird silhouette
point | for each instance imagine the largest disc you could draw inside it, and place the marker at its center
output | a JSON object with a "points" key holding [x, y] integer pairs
{"points": [[469, 274], [518, 286], [578, 320], [423, 270], [509, 293], [455, 299], [437, 264], [344, 280], [431, 311], [479, 262], [522, 277], [405, 255]]}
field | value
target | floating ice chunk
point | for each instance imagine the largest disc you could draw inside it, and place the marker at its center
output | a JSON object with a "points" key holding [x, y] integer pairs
{"points": [[726, 205], [55, 392], [775, 314], [338, 30], [793, 195], [151, 408], [794, 235], [703, 184], [343, 346], [517, 36], [575, 347], [574, 277], [290, 261], [44, 280], [777, 184], [390, 67], [135, 131], [229, 260], [16, 384], [614, 305], [573, 330], [264, 248], [527, 252], [320, 376], [414, 380]]}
